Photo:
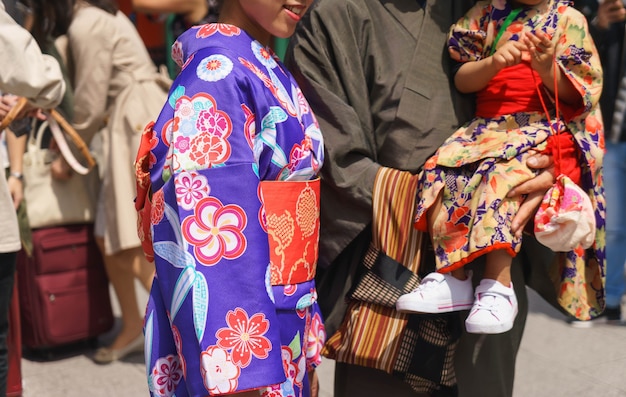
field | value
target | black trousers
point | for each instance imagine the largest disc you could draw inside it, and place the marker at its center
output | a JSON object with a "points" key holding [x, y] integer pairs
{"points": [[7, 276]]}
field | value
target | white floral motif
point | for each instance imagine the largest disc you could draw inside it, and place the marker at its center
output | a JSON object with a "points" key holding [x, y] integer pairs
{"points": [[214, 68], [263, 55], [220, 374]]}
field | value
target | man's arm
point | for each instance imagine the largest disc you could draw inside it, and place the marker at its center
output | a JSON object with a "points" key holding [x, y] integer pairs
{"points": [[331, 76]]}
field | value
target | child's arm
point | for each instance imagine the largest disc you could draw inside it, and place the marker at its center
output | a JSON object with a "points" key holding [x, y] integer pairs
{"points": [[473, 76], [541, 50]]}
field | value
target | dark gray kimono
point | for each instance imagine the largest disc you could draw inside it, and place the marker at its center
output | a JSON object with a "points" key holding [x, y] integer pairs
{"points": [[376, 73]]}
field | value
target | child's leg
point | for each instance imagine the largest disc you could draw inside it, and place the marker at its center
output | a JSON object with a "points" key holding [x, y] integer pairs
{"points": [[431, 216], [437, 292], [495, 305], [498, 267]]}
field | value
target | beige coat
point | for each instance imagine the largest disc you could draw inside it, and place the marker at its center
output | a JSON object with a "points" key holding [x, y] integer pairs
{"points": [[117, 91], [26, 72]]}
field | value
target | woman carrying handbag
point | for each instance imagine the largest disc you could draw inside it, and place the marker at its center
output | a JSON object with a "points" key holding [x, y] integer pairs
{"points": [[117, 90]]}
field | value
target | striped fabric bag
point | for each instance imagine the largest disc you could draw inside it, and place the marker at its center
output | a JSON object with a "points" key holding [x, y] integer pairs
{"points": [[419, 349]]}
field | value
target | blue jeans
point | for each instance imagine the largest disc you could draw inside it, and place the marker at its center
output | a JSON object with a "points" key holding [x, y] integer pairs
{"points": [[615, 188]]}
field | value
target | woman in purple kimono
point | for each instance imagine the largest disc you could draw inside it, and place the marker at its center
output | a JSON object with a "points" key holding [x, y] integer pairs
{"points": [[228, 199]]}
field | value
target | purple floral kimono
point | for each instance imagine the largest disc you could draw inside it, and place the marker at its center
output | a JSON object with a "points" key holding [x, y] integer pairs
{"points": [[218, 321]]}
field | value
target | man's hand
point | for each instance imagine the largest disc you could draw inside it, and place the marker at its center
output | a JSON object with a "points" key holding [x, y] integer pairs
{"points": [[534, 190], [609, 12], [8, 101]]}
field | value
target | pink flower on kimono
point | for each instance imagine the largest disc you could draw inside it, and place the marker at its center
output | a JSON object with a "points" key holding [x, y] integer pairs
{"points": [[315, 340], [191, 187], [182, 144], [211, 146], [216, 231], [215, 122], [244, 335], [166, 374], [220, 375]]}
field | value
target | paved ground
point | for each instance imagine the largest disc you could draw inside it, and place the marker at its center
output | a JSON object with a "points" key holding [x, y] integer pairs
{"points": [[556, 360]]}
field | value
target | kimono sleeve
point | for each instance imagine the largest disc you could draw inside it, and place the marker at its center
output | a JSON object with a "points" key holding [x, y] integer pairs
{"points": [[579, 60], [467, 37], [350, 147]]}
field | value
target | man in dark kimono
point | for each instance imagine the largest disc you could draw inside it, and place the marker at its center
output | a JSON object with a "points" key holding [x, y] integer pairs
{"points": [[376, 74]]}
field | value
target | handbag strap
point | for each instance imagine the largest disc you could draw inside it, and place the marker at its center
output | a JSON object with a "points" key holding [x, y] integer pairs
{"points": [[75, 136], [15, 110], [59, 137]]}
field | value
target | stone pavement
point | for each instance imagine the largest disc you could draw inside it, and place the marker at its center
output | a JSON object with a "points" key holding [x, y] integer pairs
{"points": [[555, 360]]}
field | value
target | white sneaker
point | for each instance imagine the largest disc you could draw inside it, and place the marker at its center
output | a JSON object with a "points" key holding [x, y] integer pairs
{"points": [[438, 293], [494, 309]]}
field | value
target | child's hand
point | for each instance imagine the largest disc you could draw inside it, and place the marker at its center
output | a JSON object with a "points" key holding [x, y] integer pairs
{"points": [[541, 51], [509, 54]]}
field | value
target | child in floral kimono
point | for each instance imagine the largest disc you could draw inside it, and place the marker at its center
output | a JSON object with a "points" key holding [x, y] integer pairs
{"points": [[537, 79], [228, 198]]}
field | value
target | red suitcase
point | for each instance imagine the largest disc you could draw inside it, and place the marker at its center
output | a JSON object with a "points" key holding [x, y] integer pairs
{"points": [[63, 288], [14, 344]]}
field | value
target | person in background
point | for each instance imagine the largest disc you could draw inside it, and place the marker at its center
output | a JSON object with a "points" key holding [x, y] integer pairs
{"points": [[607, 26], [182, 15], [117, 90], [228, 196], [26, 72], [377, 76]]}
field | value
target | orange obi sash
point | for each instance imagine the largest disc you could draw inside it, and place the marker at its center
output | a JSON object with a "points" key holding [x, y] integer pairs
{"points": [[292, 213]]}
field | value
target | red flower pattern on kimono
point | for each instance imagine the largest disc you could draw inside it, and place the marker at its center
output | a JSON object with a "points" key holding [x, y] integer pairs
{"points": [[208, 30], [244, 335]]}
